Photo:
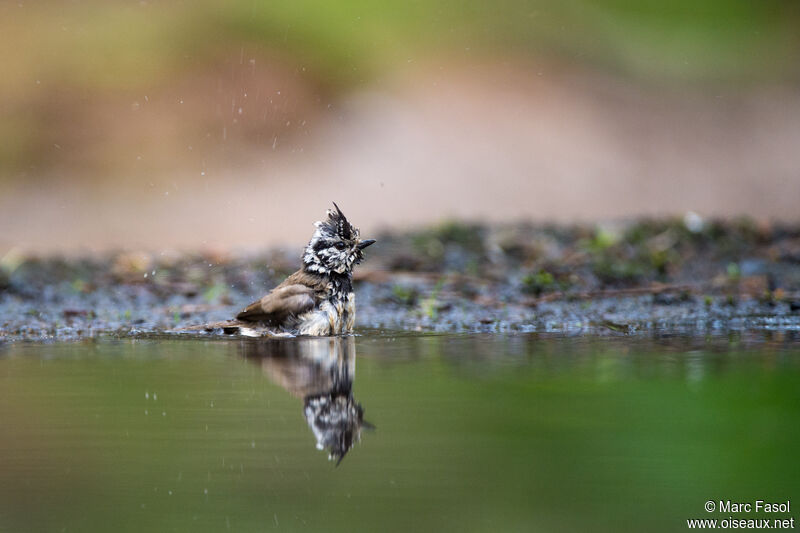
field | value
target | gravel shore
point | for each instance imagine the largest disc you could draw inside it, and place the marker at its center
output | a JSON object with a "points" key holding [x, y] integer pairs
{"points": [[670, 276]]}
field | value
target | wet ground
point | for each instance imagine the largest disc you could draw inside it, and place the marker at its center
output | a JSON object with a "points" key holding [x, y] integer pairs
{"points": [[654, 276], [431, 432]]}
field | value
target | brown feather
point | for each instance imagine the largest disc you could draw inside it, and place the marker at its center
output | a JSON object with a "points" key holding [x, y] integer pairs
{"points": [[298, 294]]}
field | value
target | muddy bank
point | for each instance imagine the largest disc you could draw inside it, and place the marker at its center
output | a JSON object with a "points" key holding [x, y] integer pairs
{"points": [[683, 275]]}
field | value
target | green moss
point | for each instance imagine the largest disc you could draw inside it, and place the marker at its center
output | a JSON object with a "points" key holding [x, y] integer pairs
{"points": [[404, 295], [214, 293], [645, 250], [79, 286], [618, 271], [602, 240], [538, 282], [428, 246], [733, 271], [467, 236], [430, 305]]}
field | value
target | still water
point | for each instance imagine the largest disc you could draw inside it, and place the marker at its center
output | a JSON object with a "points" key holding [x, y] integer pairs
{"points": [[467, 433]]}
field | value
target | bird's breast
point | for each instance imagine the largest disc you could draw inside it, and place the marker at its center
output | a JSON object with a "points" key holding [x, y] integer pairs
{"points": [[349, 318], [331, 317]]}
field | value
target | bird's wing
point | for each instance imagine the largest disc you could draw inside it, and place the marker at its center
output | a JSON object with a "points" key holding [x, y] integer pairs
{"points": [[282, 302]]}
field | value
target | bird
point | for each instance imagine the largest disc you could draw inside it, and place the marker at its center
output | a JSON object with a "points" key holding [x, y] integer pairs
{"points": [[316, 300]]}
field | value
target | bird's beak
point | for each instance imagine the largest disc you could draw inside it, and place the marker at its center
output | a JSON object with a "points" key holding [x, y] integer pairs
{"points": [[363, 244]]}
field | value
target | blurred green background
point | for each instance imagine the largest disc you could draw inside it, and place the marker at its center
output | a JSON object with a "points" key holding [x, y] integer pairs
{"points": [[62, 59], [582, 109]]}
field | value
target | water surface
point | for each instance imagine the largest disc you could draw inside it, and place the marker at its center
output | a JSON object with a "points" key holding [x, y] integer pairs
{"points": [[430, 432]]}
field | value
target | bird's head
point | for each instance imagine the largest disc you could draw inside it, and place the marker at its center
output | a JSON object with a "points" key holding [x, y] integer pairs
{"points": [[335, 247], [336, 420]]}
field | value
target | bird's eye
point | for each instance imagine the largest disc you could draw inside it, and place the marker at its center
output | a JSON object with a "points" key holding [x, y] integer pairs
{"points": [[339, 245]]}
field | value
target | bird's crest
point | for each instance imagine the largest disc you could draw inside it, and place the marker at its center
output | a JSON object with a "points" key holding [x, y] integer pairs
{"points": [[337, 224]]}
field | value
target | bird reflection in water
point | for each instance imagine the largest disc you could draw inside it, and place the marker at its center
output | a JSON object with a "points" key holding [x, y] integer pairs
{"points": [[321, 371]]}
